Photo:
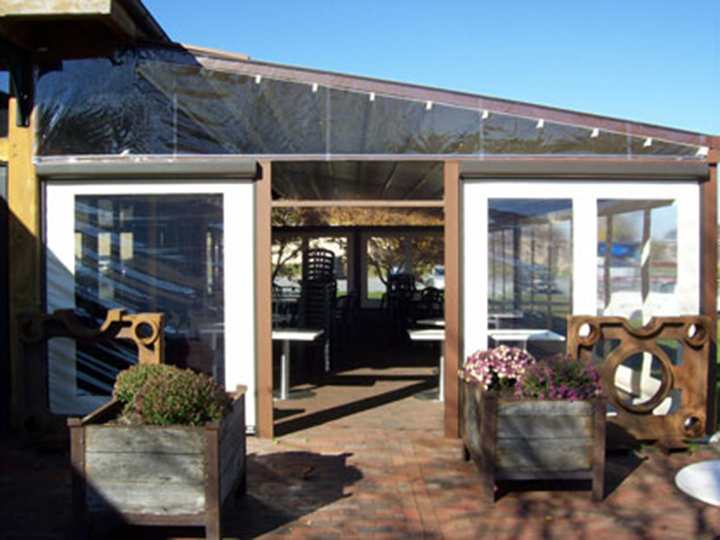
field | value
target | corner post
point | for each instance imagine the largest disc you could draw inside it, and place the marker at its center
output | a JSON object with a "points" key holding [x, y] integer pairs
{"points": [[452, 298], [263, 301], [24, 231], [709, 275]]}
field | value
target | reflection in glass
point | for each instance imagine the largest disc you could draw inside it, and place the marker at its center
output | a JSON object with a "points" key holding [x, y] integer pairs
{"points": [[420, 255], [637, 258], [529, 264], [155, 100], [151, 253]]}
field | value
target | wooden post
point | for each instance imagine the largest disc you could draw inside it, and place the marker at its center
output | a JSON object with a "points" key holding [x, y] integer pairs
{"points": [[452, 298], [213, 518], [78, 485], [263, 301], [488, 404], [708, 299], [24, 247]]}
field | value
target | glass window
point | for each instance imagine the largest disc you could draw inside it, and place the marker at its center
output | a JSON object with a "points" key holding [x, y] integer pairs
{"points": [[529, 270], [419, 255], [637, 267], [151, 253]]}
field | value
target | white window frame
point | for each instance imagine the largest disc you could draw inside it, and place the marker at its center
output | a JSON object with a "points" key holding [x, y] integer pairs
{"points": [[239, 293], [584, 196]]}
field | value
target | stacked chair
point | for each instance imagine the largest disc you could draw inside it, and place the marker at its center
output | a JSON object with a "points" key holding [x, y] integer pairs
{"points": [[318, 297]]}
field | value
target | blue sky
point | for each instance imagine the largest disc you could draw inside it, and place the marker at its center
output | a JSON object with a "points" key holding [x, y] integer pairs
{"points": [[655, 61]]}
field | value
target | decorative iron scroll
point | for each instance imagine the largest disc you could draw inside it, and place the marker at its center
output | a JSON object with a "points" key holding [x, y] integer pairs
{"points": [[665, 400], [146, 330]]}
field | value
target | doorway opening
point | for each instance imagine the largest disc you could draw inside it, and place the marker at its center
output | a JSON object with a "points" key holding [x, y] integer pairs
{"points": [[357, 267]]}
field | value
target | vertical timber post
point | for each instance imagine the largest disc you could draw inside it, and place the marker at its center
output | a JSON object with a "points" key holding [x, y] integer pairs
{"points": [[452, 298], [263, 301], [708, 303], [24, 278]]}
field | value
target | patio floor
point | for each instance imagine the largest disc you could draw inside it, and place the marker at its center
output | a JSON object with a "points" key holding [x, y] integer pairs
{"points": [[366, 459]]}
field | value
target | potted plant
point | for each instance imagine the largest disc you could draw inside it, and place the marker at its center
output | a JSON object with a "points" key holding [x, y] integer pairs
{"points": [[524, 419], [169, 449]]}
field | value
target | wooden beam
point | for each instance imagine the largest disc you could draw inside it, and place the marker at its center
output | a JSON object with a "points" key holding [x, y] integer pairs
{"points": [[24, 246], [54, 8], [452, 298], [263, 301], [708, 299], [357, 204]]}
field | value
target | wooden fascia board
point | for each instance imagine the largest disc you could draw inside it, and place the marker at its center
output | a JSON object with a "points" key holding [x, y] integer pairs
{"points": [[54, 8]]}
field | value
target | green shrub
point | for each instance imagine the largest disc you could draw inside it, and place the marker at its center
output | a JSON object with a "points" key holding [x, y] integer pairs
{"points": [[130, 381], [181, 397], [163, 395]]}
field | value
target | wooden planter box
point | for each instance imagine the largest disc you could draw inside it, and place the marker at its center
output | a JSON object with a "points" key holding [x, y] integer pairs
{"points": [[511, 439], [153, 475]]}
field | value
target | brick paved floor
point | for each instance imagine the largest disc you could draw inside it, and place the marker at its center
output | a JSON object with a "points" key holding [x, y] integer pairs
{"points": [[365, 459]]}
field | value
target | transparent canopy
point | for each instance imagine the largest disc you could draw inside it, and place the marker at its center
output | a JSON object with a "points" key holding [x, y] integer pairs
{"points": [[167, 101]]}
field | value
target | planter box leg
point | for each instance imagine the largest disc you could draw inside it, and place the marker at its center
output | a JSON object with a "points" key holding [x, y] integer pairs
{"points": [[465, 453], [488, 490]]}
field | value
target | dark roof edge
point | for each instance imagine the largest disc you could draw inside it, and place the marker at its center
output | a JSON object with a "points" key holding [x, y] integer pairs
{"points": [[143, 18], [465, 99]]}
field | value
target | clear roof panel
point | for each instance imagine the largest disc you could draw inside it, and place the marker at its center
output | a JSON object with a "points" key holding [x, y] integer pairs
{"points": [[168, 101]]}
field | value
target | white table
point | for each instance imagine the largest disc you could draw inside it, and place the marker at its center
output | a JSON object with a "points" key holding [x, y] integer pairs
{"points": [[286, 335], [496, 318], [432, 322], [433, 334], [524, 335]]}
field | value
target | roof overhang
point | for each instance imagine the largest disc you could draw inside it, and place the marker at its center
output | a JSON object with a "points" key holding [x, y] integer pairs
{"points": [[65, 27]]}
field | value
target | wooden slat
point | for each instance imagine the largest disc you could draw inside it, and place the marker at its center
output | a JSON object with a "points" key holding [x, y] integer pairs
{"points": [[544, 408], [545, 427], [146, 498], [384, 203], [144, 468], [144, 440], [555, 455], [542, 475]]}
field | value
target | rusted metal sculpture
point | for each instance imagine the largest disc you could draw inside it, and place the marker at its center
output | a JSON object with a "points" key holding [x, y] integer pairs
{"points": [[145, 330], [641, 398]]}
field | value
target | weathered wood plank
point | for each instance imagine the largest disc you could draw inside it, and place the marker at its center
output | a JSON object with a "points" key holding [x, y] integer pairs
{"points": [[544, 408], [145, 468], [22, 8], [545, 427], [555, 455], [146, 497], [142, 439]]}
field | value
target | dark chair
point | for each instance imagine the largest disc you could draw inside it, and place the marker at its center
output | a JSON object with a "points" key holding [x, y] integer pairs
{"points": [[432, 304], [399, 302], [318, 297]]}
